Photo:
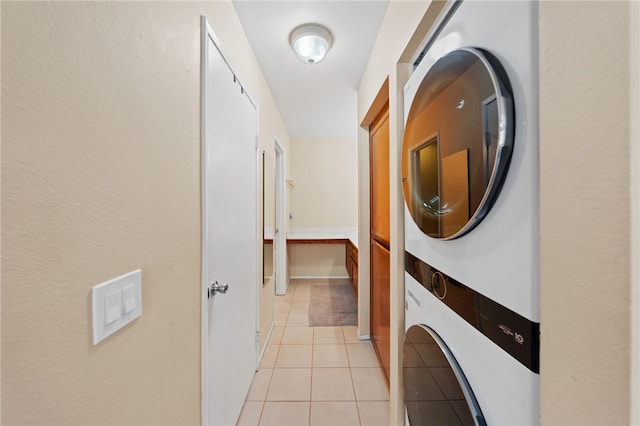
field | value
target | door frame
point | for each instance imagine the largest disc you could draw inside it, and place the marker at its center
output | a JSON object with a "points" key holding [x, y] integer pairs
{"points": [[206, 33], [281, 219]]}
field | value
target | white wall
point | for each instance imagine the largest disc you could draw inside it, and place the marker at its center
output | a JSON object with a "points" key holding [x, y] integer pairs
{"points": [[326, 189]]}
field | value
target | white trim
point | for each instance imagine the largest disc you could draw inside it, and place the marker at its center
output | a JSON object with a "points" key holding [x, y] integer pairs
{"points": [[280, 264], [264, 348], [324, 233], [258, 233], [204, 60], [363, 336]]}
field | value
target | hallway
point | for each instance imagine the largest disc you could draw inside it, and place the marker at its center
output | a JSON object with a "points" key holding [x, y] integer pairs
{"points": [[315, 375]]}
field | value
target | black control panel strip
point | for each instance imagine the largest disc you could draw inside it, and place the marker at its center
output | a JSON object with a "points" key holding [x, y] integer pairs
{"points": [[515, 334]]}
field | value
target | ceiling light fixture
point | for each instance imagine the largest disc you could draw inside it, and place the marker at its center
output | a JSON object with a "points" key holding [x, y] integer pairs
{"points": [[311, 42]]}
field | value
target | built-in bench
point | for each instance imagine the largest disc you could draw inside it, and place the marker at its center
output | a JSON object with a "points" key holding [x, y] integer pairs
{"points": [[321, 236]]}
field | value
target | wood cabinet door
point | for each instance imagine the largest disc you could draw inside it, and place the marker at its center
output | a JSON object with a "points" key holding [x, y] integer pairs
{"points": [[380, 304], [379, 178], [380, 238]]}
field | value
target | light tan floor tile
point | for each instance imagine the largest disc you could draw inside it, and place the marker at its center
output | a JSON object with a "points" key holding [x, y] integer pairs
{"points": [[361, 355], [334, 414], [351, 334], [298, 319], [294, 356], [276, 335], [370, 384], [290, 384], [298, 336], [260, 385], [328, 335], [374, 413], [250, 415], [269, 357], [281, 319], [285, 414], [330, 356], [288, 297], [283, 305], [300, 307], [302, 294], [332, 384]]}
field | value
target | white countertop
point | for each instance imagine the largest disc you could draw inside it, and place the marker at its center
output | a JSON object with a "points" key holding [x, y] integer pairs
{"points": [[324, 233]]}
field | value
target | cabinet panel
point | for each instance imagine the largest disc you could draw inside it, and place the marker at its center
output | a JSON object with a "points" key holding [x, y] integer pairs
{"points": [[379, 175], [380, 304], [351, 262]]}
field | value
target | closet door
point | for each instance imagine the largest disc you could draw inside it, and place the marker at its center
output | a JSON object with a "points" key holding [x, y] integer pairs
{"points": [[380, 267]]}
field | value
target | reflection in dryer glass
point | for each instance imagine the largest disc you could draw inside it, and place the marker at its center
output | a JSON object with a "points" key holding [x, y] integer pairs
{"points": [[433, 393], [457, 142]]}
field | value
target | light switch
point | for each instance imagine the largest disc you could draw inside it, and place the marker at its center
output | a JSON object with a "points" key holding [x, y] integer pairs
{"points": [[115, 304], [129, 297]]}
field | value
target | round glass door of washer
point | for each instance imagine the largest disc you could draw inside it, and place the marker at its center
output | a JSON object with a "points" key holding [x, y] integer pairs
{"points": [[436, 390], [457, 143]]}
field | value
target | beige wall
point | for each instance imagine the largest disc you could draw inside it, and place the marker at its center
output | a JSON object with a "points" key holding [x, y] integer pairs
{"points": [[585, 97], [100, 176], [317, 260], [585, 212], [326, 183], [325, 195], [635, 212]]}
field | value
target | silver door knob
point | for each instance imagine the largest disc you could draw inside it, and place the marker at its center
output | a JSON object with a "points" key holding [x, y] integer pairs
{"points": [[217, 288]]}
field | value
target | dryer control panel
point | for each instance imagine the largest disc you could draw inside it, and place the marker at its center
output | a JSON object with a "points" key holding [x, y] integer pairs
{"points": [[515, 334]]}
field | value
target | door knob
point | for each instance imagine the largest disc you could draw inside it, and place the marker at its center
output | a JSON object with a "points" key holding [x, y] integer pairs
{"points": [[217, 288]]}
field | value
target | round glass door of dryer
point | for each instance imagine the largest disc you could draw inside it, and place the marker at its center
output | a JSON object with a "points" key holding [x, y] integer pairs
{"points": [[457, 142], [436, 391]]}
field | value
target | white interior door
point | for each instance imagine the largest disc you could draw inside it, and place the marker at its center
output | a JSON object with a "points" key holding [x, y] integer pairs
{"points": [[230, 238], [280, 237]]}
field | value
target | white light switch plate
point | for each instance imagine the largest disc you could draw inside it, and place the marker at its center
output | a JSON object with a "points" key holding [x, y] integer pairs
{"points": [[116, 303]]}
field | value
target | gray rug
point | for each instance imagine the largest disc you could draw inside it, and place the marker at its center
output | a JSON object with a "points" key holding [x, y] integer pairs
{"points": [[332, 304]]}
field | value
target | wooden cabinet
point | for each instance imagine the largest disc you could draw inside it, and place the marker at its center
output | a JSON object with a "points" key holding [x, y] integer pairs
{"points": [[379, 168], [351, 262], [381, 304], [380, 238]]}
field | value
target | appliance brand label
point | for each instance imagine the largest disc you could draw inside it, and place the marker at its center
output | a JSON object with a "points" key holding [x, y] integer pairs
{"points": [[516, 336]]}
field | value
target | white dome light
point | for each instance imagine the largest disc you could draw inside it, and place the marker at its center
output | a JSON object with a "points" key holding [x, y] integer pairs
{"points": [[311, 42]]}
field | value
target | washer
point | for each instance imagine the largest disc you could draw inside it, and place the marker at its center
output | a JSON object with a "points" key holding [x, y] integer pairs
{"points": [[472, 283]]}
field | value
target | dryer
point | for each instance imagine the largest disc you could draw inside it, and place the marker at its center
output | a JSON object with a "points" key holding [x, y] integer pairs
{"points": [[470, 178]]}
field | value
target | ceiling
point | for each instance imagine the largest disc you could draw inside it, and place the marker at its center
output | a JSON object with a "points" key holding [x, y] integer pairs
{"points": [[315, 101]]}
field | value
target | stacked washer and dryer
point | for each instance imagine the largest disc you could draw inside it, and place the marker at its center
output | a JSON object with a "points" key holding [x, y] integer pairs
{"points": [[470, 179]]}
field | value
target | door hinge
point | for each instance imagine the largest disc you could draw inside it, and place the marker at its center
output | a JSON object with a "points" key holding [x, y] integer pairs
{"points": [[257, 338]]}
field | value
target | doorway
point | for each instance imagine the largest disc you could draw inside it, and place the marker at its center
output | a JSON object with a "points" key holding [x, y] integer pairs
{"points": [[280, 236]]}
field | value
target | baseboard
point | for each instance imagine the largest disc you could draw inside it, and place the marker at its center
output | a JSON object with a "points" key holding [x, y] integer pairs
{"points": [[306, 277], [266, 343], [363, 336]]}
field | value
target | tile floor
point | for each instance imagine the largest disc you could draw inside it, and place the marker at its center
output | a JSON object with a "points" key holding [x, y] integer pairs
{"points": [[315, 375]]}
